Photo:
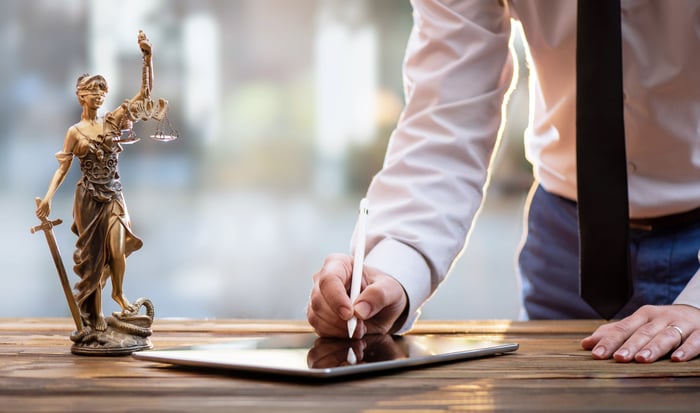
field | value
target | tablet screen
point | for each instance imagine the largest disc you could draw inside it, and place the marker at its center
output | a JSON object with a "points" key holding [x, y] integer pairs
{"points": [[308, 355]]}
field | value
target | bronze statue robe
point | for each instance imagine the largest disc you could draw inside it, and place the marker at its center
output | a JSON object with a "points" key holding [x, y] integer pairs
{"points": [[98, 206]]}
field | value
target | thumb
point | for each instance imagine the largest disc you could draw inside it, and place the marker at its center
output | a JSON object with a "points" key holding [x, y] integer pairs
{"points": [[379, 296]]}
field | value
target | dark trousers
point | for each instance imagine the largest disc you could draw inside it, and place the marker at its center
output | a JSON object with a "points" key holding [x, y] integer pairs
{"points": [[662, 261]]}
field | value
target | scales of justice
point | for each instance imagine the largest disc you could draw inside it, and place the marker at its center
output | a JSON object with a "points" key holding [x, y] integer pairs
{"points": [[100, 217]]}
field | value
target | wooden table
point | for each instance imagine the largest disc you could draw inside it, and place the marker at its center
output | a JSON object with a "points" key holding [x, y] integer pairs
{"points": [[550, 372]]}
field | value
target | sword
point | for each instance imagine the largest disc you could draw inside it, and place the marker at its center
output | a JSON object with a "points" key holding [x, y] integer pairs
{"points": [[47, 226]]}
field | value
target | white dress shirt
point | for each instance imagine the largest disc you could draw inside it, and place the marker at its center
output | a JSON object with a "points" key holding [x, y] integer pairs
{"points": [[459, 69]]}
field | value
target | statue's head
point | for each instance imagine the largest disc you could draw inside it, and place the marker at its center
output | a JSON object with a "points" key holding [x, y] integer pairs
{"points": [[90, 85]]}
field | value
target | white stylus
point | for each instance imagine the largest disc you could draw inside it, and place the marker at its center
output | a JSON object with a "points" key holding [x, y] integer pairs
{"points": [[359, 260]]}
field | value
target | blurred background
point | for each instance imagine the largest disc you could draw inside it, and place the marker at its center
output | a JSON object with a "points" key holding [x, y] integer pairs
{"points": [[284, 109]]}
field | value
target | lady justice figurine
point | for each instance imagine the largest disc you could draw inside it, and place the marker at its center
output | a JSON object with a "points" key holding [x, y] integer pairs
{"points": [[101, 220]]}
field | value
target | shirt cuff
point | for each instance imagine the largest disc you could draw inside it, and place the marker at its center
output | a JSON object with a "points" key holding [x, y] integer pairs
{"points": [[409, 268], [691, 293]]}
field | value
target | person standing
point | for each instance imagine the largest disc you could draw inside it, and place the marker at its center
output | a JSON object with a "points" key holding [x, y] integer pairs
{"points": [[458, 71]]}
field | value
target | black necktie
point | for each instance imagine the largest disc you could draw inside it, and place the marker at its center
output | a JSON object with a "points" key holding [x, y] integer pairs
{"points": [[603, 210]]}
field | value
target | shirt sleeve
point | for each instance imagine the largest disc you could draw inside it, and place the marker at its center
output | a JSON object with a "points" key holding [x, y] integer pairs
{"points": [[691, 293], [458, 68]]}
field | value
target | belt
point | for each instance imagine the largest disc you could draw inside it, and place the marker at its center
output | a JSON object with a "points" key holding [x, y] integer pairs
{"points": [[656, 223], [666, 221]]}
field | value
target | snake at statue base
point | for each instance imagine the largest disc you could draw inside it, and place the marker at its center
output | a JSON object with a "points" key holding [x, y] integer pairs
{"points": [[131, 323]]}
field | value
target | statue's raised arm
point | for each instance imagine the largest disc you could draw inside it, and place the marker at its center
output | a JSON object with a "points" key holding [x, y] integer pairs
{"points": [[141, 106], [147, 74]]}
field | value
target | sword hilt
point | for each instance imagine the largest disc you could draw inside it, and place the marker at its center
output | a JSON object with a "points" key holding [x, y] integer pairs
{"points": [[46, 225]]}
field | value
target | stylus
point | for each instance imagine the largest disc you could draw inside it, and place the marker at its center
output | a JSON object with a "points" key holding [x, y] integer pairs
{"points": [[358, 262]]}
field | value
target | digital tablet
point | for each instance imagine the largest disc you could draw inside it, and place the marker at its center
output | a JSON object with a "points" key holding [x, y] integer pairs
{"points": [[307, 355]]}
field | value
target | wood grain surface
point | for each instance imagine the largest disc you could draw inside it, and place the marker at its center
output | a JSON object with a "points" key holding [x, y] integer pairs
{"points": [[550, 372]]}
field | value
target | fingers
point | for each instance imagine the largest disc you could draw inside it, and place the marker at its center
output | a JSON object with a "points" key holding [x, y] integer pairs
{"points": [[326, 322], [377, 308], [376, 297], [329, 305], [381, 303], [609, 338], [689, 349], [653, 343], [43, 210], [650, 333], [332, 281]]}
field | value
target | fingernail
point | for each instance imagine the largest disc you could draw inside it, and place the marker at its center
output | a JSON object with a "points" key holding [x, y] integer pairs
{"points": [[623, 352], [678, 355], [362, 309], [599, 351], [644, 355]]}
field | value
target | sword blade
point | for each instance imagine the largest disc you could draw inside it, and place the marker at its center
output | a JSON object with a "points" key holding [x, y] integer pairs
{"points": [[58, 262]]}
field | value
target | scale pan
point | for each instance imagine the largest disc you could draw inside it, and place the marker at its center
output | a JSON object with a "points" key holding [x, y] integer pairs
{"points": [[127, 141], [164, 138]]}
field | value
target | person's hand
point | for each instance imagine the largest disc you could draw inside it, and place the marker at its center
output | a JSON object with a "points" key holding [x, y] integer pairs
{"points": [[43, 208], [378, 307], [649, 334], [144, 44]]}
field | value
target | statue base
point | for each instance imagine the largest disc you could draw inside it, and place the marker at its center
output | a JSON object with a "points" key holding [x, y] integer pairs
{"points": [[125, 334]]}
